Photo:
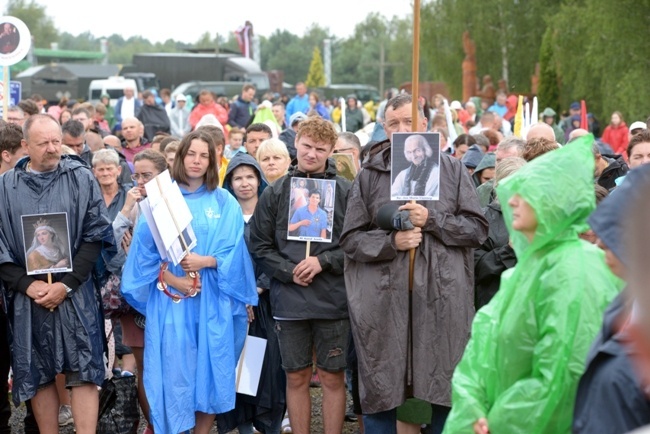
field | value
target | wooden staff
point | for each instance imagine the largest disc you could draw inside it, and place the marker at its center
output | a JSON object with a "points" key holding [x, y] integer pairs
{"points": [[49, 280], [415, 91], [307, 249]]}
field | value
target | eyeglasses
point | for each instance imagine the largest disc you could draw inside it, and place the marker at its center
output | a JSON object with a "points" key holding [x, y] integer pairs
{"points": [[343, 150], [145, 176]]}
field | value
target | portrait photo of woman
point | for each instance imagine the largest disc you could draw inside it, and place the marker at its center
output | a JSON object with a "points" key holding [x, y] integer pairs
{"points": [[49, 248]]}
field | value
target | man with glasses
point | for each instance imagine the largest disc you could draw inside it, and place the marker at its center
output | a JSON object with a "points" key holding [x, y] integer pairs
{"points": [[348, 143], [15, 115]]}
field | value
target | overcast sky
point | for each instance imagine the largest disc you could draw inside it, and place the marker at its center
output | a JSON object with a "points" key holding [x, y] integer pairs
{"points": [[187, 20]]}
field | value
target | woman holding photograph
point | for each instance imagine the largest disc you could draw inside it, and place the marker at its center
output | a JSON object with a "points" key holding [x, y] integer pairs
{"points": [[193, 340], [47, 249]]}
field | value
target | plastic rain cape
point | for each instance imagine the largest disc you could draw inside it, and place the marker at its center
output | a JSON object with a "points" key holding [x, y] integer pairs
{"points": [[521, 367], [191, 348]]}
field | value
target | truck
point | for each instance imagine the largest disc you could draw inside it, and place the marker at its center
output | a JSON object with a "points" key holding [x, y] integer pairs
{"points": [[173, 69]]}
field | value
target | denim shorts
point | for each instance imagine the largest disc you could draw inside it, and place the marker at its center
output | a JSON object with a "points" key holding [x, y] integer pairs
{"points": [[300, 338], [72, 379]]}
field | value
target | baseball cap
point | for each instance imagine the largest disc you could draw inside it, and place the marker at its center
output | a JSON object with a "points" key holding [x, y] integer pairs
{"points": [[638, 125], [180, 97], [455, 105], [575, 106]]}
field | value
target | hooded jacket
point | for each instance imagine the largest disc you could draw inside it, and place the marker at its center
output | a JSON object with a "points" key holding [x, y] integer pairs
{"points": [[271, 390], [610, 397], [472, 157], [521, 367], [70, 339], [616, 168], [617, 137], [487, 162], [324, 298], [493, 258], [377, 275]]}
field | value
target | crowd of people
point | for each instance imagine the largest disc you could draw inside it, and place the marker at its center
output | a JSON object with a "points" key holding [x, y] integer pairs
{"points": [[511, 303]]}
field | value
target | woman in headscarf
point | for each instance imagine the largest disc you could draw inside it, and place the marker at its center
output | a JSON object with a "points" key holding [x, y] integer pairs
{"points": [[47, 249]]}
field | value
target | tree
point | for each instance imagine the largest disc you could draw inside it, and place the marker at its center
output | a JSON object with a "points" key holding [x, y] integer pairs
{"points": [[592, 64], [316, 75], [37, 20], [548, 93]]}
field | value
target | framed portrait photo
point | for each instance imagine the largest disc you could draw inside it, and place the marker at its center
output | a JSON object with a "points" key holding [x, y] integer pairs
{"points": [[415, 166], [311, 209], [47, 243]]}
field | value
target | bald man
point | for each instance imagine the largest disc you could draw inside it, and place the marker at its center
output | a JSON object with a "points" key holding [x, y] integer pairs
{"points": [[541, 129], [578, 132]]}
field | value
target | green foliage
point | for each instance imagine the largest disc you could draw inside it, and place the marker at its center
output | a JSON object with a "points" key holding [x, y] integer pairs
{"points": [[587, 49], [602, 56], [316, 76], [548, 93], [38, 22]]}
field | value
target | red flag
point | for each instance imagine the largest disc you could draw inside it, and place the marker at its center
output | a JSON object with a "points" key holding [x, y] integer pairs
{"points": [[584, 124], [244, 35]]}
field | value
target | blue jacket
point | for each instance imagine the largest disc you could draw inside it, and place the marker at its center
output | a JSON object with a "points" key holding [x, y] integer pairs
{"points": [[240, 113], [297, 104], [610, 398], [118, 109]]}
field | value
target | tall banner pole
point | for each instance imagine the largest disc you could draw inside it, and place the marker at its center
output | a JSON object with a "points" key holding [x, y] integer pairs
{"points": [[415, 92]]}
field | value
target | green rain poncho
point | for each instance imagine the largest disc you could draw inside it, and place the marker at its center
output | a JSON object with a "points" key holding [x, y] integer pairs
{"points": [[521, 367]]}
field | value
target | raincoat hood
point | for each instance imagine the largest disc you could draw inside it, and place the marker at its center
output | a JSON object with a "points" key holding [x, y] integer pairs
{"points": [[488, 161], [608, 220], [240, 159], [559, 187], [473, 157], [378, 157]]}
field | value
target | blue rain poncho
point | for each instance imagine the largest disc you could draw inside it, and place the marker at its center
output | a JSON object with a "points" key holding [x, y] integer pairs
{"points": [[192, 347], [521, 367]]}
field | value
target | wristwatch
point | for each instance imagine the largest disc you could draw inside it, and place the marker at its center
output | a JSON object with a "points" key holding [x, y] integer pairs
{"points": [[68, 290]]}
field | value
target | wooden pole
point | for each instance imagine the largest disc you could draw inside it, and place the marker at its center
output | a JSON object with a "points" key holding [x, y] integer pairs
{"points": [[415, 92], [307, 249], [49, 275]]}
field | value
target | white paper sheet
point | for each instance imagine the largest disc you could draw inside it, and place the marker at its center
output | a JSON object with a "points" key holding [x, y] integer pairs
{"points": [[249, 367]]}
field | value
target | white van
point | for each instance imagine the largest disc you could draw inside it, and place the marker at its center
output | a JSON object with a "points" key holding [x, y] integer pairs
{"points": [[113, 86]]}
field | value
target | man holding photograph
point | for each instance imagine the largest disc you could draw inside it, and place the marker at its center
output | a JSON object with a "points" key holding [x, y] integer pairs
{"points": [[377, 280], [56, 326], [307, 293]]}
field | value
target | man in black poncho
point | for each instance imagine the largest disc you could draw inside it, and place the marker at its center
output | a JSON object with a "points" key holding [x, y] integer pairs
{"points": [[56, 327]]}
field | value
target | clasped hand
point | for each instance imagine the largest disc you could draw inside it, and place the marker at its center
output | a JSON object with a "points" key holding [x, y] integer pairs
{"points": [[306, 270], [47, 295]]}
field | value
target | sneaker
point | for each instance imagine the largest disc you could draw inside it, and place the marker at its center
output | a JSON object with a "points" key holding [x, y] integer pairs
{"points": [[349, 415], [65, 415]]}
